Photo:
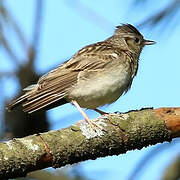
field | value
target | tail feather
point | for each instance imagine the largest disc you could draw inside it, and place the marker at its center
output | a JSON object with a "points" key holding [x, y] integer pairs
{"points": [[17, 102], [46, 103], [49, 92], [31, 101]]}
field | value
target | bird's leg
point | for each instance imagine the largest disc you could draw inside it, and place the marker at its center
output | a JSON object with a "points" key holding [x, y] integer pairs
{"points": [[91, 123], [100, 112], [105, 113]]}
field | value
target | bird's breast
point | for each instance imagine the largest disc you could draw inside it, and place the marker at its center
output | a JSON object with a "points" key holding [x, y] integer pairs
{"points": [[98, 88]]}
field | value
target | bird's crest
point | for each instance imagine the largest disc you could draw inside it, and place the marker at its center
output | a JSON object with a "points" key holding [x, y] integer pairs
{"points": [[126, 29]]}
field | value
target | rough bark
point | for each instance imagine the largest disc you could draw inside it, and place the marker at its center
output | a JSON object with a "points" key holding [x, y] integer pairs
{"points": [[79, 142]]}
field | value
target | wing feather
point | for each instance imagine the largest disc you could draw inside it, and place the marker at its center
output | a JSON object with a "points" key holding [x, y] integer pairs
{"points": [[41, 104], [49, 92]]}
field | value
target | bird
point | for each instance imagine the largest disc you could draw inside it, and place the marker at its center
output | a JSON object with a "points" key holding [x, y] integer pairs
{"points": [[96, 75]]}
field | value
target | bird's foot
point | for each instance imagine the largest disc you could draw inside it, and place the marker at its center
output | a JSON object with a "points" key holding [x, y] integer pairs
{"points": [[95, 126]]}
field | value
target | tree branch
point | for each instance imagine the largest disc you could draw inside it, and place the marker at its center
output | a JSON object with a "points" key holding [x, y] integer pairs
{"points": [[122, 132]]}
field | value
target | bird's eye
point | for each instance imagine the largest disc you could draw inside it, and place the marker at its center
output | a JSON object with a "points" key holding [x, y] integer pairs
{"points": [[136, 40]]}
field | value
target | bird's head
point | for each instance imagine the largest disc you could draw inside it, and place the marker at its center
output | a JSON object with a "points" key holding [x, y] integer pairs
{"points": [[130, 38]]}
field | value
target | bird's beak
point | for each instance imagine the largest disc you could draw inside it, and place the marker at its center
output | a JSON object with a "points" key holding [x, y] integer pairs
{"points": [[149, 42]]}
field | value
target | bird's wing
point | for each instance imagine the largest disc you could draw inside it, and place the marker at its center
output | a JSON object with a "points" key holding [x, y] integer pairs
{"points": [[55, 85], [93, 57]]}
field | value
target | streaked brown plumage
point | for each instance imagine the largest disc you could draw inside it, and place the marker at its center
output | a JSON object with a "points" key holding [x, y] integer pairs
{"points": [[96, 75]]}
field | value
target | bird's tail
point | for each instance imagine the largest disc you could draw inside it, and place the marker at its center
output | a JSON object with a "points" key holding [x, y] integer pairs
{"points": [[31, 101], [22, 98]]}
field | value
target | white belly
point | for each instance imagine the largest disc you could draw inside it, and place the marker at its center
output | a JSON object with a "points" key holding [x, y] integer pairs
{"points": [[102, 88]]}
